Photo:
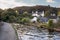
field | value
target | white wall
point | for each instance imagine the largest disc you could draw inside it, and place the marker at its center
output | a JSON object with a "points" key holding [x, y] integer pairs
{"points": [[42, 13], [34, 19]]}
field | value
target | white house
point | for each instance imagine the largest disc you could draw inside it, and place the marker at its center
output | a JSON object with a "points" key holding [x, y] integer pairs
{"points": [[56, 20], [36, 15], [42, 13]]}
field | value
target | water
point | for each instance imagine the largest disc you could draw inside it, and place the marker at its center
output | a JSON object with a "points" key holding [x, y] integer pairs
{"points": [[34, 34]]}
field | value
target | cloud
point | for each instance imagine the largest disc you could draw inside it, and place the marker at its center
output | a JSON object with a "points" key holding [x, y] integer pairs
{"points": [[11, 3], [58, 6], [50, 1]]}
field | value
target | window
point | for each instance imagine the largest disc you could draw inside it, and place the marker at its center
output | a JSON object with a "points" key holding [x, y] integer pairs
{"points": [[52, 14]]}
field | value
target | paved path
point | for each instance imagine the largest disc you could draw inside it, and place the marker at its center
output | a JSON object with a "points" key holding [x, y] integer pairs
{"points": [[7, 32]]}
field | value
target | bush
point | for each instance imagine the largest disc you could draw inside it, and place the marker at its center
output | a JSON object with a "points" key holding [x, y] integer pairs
{"points": [[50, 24], [25, 20]]}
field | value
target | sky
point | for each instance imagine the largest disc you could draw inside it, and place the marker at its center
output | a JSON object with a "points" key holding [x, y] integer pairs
{"points": [[4, 4]]}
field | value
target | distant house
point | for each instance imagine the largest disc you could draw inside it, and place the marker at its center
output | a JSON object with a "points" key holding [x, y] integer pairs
{"points": [[41, 14], [58, 18], [36, 15], [55, 19], [53, 15]]}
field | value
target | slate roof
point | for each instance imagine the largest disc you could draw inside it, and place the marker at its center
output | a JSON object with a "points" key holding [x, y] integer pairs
{"points": [[43, 19]]}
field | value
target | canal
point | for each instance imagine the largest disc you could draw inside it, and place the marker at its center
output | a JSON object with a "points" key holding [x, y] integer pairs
{"points": [[33, 33]]}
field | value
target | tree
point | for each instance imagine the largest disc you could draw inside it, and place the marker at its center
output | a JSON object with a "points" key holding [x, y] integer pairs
{"points": [[25, 20], [9, 15], [12, 19], [4, 16], [26, 14], [50, 24], [47, 13], [1, 13], [12, 12]]}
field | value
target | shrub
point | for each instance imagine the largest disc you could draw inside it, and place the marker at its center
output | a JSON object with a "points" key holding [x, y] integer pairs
{"points": [[25, 20], [50, 24]]}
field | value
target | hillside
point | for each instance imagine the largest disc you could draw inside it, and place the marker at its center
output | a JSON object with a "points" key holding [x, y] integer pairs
{"points": [[34, 8]]}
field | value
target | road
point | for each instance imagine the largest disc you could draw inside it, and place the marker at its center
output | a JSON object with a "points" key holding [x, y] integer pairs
{"points": [[7, 32]]}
